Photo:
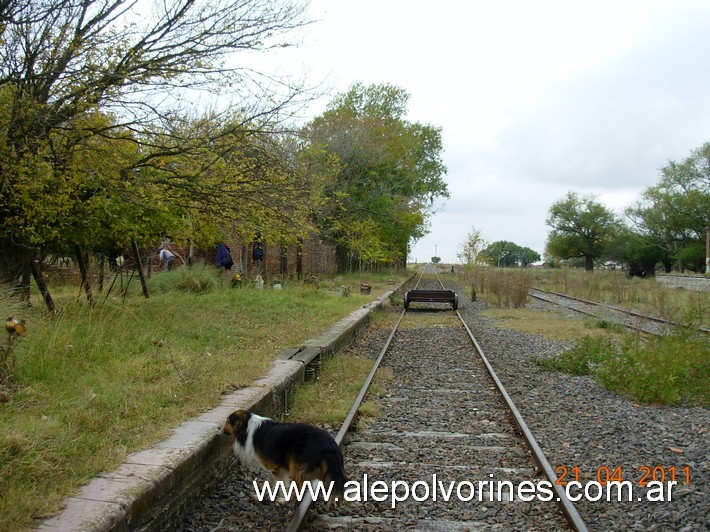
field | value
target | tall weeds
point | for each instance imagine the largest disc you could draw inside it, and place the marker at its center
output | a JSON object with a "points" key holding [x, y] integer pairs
{"points": [[504, 288], [139, 366]]}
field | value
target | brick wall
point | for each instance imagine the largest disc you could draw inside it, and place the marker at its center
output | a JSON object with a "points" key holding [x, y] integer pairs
{"points": [[295, 261], [315, 258]]}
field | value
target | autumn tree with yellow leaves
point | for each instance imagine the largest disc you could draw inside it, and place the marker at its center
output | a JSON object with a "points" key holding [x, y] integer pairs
{"points": [[99, 136]]}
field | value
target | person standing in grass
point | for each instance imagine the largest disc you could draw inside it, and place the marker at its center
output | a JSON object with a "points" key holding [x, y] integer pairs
{"points": [[166, 259]]}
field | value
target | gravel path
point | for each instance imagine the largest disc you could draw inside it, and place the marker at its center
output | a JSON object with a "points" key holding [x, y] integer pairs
{"points": [[577, 423]]}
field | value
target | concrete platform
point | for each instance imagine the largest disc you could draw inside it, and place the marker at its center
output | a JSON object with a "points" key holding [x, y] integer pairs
{"points": [[699, 283], [150, 487]]}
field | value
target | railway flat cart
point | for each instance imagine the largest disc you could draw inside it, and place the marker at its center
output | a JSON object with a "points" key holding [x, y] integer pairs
{"points": [[431, 296]]}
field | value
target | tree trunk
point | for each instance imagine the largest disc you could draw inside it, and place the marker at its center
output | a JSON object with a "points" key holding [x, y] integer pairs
{"points": [[84, 269], [667, 265], [37, 274], [139, 266], [15, 267], [102, 261], [299, 259], [588, 263], [283, 260], [341, 259], [245, 261]]}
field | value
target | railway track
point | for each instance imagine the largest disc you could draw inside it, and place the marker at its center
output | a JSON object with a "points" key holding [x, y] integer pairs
{"points": [[628, 318], [446, 423]]}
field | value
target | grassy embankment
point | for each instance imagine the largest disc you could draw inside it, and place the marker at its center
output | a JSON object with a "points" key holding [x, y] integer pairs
{"points": [[93, 384], [672, 370]]}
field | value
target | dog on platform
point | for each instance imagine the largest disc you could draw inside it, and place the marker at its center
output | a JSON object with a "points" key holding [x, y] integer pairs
{"points": [[296, 451]]}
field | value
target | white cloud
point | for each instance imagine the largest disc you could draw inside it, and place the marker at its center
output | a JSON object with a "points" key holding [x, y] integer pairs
{"points": [[534, 98]]}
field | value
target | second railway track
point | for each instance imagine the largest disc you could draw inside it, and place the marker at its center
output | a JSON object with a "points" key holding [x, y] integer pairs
{"points": [[628, 318]]}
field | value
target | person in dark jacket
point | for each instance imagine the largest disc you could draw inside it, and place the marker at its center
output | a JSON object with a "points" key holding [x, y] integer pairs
{"points": [[224, 257]]}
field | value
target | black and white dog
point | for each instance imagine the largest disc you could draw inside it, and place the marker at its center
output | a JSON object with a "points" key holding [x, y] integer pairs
{"points": [[296, 451]]}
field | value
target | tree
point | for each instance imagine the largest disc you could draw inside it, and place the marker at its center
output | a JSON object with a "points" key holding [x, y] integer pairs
{"points": [[527, 256], [508, 255], [581, 228], [469, 251], [632, 249], [389, 173], [673, 214], [80, 74], [250, 182]]}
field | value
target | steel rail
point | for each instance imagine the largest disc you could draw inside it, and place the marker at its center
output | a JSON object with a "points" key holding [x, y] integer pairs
{"points": [[568, 509], [570, 512], [299, 516], [593, 315]]}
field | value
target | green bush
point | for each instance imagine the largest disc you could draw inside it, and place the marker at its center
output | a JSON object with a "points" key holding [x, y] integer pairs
{"points": [[673, 369], [581, 359], [611, 323]]}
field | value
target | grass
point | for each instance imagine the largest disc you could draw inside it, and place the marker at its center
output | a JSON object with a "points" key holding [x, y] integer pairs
{"points": [[96, 383], [327, 400], [502, 287], [416, 319], [673, 369], [508, 288]]}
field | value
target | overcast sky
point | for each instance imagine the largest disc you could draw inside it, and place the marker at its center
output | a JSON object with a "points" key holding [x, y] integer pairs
{"points": [[534, 98]]}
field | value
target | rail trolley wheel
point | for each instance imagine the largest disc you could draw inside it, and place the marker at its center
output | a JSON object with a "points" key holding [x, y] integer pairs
{"points": [[406, 300], [456, 302]]}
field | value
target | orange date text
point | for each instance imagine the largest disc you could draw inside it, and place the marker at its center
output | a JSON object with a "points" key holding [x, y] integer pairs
{"points": [[641, 476]]}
